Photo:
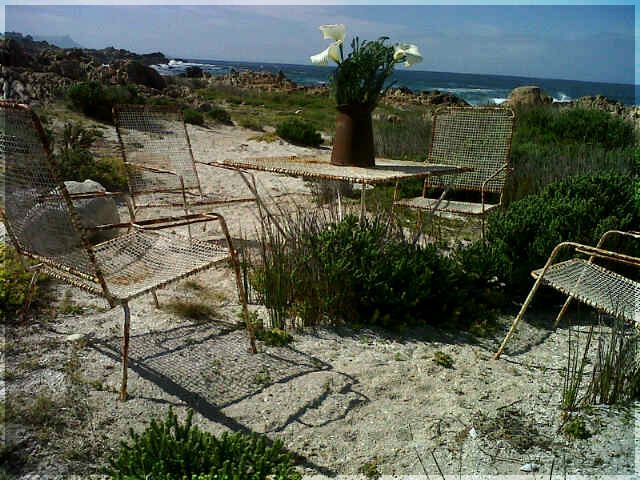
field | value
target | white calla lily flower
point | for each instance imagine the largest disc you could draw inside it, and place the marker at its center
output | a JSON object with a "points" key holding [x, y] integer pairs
{"points": [[334, 32], [407, 52], [331, 52]]}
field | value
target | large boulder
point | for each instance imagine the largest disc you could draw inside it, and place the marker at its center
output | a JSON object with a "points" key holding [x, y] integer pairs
{"points": [[95, 211], [143, 75], [528, 96]]}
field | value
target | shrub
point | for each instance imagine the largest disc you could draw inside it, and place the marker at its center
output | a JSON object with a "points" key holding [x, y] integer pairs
{"points": [[14, 282], [77, 163], [574, 125], [192, 116], [170, 450], [364, 273], [96, 100], [299, 132], [220, 115], [408, 139], [521, 237], [251, 124]]}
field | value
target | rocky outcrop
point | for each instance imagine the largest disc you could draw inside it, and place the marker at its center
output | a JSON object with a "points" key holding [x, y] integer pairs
{"points": [[36, 71], [27, 86], [265, 81], [402, 97], [143, 75], [528, 96]]}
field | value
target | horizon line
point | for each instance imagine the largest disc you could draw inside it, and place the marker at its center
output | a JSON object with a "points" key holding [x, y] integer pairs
{"points": [[178, 57]]}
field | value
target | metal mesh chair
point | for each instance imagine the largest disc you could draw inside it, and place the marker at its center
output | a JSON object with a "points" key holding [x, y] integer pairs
{"points": [[588, 283], [40, 218], [156, 150], [474, 137]]}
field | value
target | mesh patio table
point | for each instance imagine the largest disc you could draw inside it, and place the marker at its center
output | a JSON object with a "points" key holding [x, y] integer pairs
{"points": [[319, 167]]}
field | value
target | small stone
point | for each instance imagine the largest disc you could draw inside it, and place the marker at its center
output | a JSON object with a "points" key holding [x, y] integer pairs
{"points": [[75, 337], [530, 467]]}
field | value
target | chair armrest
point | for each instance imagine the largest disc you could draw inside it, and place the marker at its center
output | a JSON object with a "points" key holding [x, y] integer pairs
{"points": [[152, 169], [608, 255], [611, 233], [492, 176], [223, 166]]}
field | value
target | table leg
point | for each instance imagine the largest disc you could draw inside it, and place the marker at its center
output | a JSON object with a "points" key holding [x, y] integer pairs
{"points": [[253, 188], [362, 201]]}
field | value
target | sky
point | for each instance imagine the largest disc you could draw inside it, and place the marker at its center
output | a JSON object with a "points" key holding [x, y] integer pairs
{"points": [[576, 42]]}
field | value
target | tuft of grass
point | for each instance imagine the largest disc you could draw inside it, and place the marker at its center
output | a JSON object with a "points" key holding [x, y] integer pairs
{"points": [[193, 117], [268, 137], [191, 309], [576, 428], [370, 469], [251, 124], [274, 337], [443, 359], [68, 306], [408, 139], [220, 115], [262, 378]]}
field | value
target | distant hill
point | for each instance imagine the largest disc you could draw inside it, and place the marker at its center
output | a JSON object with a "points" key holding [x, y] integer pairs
{"points": [[62, 41]]}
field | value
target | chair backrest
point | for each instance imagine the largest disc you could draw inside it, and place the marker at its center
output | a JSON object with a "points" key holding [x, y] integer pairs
{"points": [[476, 137], [155, 136], [37, 210]]}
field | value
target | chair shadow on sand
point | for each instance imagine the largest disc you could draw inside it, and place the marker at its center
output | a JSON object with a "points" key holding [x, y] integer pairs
{"points": [[208, 367]]}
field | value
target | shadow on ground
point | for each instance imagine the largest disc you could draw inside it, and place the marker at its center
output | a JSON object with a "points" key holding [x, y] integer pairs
{"points": [[209, 367]]}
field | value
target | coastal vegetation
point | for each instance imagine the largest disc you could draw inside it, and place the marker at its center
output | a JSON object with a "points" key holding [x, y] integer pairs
{"points": [[170, 450]]}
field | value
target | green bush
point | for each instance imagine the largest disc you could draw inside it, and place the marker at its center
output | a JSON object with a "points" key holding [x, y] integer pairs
{"points": [[192, 116], [96, 100], [14, 282], [251, 124], [76, 162], [299, 132], [573, 125], [170, 450], [366, 273], [521, 237], [220, 115]]}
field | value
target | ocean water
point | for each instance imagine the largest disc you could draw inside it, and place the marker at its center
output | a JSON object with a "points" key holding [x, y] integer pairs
{"points": [[475, 89]]}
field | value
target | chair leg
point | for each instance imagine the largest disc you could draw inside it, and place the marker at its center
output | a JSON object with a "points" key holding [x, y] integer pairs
{"points": [[519, 316], [125, 352], [155, 299], [29, 298], [241, 293], [564, 309]]}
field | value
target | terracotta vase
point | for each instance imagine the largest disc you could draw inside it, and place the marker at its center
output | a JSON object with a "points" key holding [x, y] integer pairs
{"points": [[353, 141]]}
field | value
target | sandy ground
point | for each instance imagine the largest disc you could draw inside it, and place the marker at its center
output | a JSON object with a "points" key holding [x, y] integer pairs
{"points": [[341, 400]]}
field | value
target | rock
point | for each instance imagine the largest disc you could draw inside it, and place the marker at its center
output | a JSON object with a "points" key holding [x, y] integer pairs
{"points": [[95, 211], [530, 467], [205, 107], [193, 72], [75, 337], [143, 75], [528, 96]]}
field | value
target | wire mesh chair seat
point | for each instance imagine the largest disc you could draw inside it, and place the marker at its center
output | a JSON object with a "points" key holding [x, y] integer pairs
{"points": [[596, 286], [583, 280], [43, 224], [161, 168], [142, 261], [478, 138]]}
